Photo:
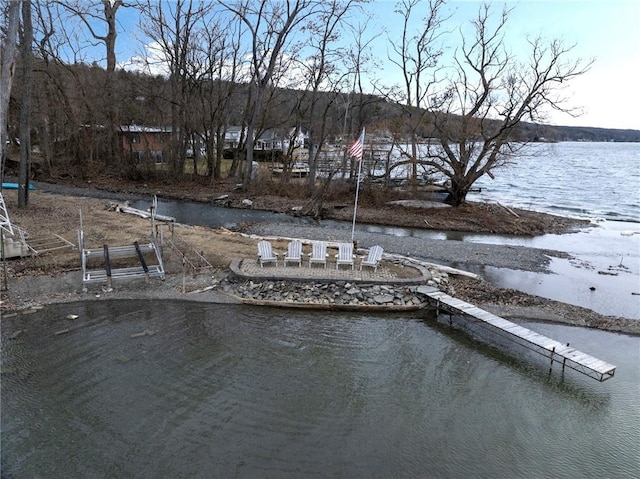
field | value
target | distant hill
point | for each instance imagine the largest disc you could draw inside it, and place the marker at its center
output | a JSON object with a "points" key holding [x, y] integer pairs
{"points": [[582, 133], [553, 133], [142, 99]]}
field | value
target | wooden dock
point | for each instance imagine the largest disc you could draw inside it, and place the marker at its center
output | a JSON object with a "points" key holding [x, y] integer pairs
{"points": [[553, 350]]}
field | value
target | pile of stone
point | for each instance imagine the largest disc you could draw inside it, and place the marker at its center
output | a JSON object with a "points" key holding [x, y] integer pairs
{"points": [[328, 293], [439, 278]]}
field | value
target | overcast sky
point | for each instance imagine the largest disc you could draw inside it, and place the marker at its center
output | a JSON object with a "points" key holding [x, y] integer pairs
{"points": [[607, 31]]}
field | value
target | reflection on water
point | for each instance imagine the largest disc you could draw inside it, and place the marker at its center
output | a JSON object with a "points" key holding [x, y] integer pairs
{"points": [[602, 272], [192, 213], [220, 391]]}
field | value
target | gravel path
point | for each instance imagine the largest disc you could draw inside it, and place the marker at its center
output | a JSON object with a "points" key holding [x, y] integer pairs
{"points": [[463, 255]]}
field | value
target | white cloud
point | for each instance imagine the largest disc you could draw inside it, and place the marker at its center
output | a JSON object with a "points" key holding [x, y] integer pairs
{"points": [[152, 62]]}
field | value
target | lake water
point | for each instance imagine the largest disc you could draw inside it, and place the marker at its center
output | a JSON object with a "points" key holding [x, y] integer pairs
{"points": [[584, 179], [589, 180], [598, 181], [233, 391]]}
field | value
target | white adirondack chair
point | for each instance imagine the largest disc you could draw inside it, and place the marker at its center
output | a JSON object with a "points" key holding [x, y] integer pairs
{"points": [[266, 254], [318, 253], [373, 258], [345, 255], [294, 253]]}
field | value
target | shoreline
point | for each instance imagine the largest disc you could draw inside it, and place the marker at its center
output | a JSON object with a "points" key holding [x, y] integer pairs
{"points": [[546, 312], [32, 293], [471, 217], [55, 278]]}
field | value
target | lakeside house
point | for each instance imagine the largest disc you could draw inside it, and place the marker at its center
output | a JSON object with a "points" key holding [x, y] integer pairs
{"points": [[140, 142], [280, 139], [145, 142]]}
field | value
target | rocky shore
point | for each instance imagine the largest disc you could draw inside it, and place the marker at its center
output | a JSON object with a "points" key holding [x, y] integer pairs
{"points": [[329, 295]]}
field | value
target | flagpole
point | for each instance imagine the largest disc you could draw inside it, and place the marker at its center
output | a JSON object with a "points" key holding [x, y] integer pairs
{"points": [[355, 206]]}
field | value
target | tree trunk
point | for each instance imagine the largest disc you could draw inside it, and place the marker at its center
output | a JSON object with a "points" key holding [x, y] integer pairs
{"points": [[113, 153], [246, 180], [313, 207], [217, 167], [210, 148], [25, 109], [457, 192], [7, 69]]}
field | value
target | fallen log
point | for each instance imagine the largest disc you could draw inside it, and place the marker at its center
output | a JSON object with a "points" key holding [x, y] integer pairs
{"points": [[509, 210]]}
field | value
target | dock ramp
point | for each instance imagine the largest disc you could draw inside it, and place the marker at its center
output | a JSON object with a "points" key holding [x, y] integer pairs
{"points": [[18, 243], [553, 350]]}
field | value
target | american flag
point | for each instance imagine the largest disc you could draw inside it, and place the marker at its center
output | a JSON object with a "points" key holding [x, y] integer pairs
{"points": [[355, 150]]}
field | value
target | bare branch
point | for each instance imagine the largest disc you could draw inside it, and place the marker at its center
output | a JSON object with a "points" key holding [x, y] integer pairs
{"points": [[477, 115]]}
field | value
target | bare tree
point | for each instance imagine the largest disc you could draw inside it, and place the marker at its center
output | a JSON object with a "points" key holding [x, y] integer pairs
{"points": [[417, 55], [58, 86], [333, 69], [271, 25], [218, 76], [491, 93], [96, 16], [174, 27], [357, 103], [326, 73], [8, 46], [336, 81], [64, 90]]}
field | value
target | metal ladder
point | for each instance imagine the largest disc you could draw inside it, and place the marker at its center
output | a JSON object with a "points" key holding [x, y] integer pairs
{"points": [[5, 223], [36, 246]]}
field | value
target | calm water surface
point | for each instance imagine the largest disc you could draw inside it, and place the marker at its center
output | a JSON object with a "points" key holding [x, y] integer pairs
{"points": [[232, 391]]}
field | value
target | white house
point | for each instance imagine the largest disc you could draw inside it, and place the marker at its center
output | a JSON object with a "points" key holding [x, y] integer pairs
{"points": [[271, 139]]}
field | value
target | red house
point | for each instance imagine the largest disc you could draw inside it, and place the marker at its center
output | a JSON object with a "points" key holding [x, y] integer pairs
{"points": [[145, 142]]}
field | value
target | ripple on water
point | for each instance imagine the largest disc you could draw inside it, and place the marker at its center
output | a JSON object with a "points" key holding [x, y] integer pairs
{"points": [[221, 390]]}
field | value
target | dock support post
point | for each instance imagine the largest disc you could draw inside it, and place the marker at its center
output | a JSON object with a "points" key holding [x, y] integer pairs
{"points": [[184, 279], [145, 268], [553, 351], [107, 265]]}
